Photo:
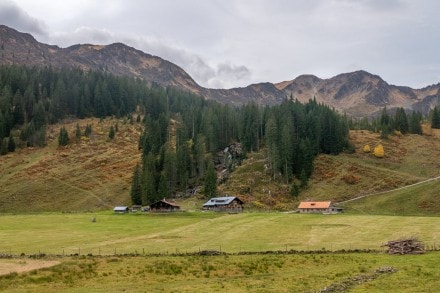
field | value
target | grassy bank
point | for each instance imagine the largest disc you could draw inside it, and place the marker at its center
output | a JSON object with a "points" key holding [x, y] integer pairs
{"points": [[236, 273]]}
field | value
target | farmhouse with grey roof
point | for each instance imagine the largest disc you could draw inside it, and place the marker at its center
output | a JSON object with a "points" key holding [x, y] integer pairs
{"points": [[230, 204]]}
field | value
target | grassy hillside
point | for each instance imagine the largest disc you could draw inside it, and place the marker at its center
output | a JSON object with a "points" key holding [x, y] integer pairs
{"points": [[415, 200], [95, 174], [88, 174], [408, 159]]}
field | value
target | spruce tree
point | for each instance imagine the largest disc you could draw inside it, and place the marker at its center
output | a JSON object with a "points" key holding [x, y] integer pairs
{"points": [[210, 189], [303, 178], [401, 121], [294, 189], [88, 130], [435, 120], [163, 190], [414, 123], [11, 144], [3, 146], [111, 133], [149, 190], [136, 186], [77, 132], [63, 138]]}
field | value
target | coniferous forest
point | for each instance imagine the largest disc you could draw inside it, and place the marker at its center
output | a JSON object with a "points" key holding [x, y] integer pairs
{"points": [[182, 132]]}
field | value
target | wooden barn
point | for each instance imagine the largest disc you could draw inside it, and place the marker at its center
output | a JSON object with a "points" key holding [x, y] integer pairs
{"points": [[121, 210], [136, 208], [164, 206], [318, 207], [229, 204]]}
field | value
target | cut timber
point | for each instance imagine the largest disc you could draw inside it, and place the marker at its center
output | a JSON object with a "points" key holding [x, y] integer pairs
{"points": [[405, 246]]}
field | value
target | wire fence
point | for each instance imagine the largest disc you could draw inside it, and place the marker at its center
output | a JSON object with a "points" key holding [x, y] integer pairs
{"points": [[211, 250]]}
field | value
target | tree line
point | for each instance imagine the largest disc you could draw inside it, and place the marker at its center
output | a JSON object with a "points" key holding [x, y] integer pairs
{"points": [[400, 121], [31, 98]]}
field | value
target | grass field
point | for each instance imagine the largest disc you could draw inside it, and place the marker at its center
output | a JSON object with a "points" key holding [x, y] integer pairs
{"points": [[233, 273], [100, 256], [193, 231]]}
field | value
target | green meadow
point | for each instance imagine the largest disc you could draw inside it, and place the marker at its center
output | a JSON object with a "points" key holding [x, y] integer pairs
{"points": [[146, 233], [115, 253], [352, 272]]}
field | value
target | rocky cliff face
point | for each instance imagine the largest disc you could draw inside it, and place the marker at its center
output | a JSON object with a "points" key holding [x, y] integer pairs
{"points": [[357, 93]]}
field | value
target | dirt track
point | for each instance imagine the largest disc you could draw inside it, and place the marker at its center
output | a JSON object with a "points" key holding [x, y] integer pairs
{"points": [[376, 193], [8, 266]]}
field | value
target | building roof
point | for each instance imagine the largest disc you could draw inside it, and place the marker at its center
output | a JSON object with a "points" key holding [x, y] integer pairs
{"points": [[165, 202], [315, 204], [221, 201], [120, 208]]}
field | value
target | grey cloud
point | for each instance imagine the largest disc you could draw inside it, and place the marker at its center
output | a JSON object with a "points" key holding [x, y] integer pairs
{"points": [[83, 35], [12, 15], [207, 75], [229, 75], [380, 5]]}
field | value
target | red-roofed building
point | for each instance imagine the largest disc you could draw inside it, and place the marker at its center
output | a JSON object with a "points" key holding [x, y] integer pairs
{"points": [[318, 207]]}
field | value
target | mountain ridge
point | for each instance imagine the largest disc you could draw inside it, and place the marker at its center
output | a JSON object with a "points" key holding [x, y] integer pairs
{"points": [[357, 93]]}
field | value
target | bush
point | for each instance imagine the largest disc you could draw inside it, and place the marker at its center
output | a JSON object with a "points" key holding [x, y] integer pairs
{"points": [[366, 148], [379, 152]]}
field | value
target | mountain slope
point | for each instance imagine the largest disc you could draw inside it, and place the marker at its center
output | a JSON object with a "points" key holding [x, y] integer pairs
{"points": [[89, 174], [357, 93], [118, 59]]}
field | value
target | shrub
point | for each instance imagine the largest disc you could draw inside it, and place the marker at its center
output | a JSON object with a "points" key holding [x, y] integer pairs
{"points": [[366, 148], [379, 152]]}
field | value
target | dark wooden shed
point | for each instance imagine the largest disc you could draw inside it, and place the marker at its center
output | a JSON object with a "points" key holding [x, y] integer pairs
{"points": [[164, 206]]}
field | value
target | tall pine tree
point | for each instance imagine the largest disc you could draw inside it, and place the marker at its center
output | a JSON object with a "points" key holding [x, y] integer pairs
{"points": [[210, 189], [136, 186], [435, 119]]}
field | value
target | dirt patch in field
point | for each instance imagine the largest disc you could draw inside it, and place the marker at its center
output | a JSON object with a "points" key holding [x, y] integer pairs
{"points": [[24, 265]]}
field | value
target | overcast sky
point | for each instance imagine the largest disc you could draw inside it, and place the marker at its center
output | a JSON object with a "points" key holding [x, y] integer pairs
{"points": [[231, 43]]}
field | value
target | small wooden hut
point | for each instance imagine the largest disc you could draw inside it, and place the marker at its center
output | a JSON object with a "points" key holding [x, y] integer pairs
{"points": [[121, 209]]}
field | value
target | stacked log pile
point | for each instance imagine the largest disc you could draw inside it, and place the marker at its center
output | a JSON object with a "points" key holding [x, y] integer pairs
{"points": [[405, 246]]}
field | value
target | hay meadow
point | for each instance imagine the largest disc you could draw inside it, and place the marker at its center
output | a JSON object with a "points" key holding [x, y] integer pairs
{"points": [[144, 252]]}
